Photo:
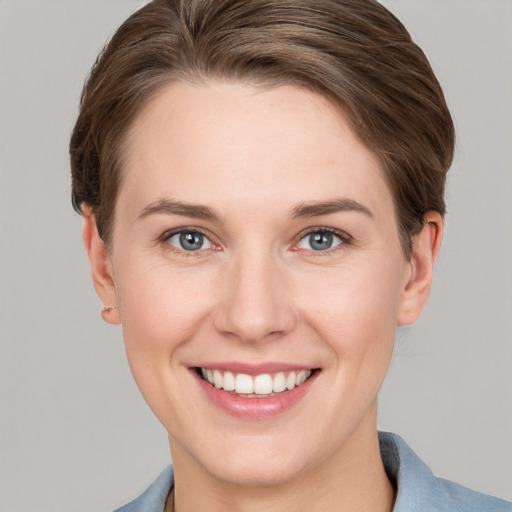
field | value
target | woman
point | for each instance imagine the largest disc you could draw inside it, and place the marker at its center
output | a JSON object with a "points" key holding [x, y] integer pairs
{"points": [[262, 190]]}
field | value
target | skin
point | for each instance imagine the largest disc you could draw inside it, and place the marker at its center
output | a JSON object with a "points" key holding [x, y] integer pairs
{"points": [[258, 292]]}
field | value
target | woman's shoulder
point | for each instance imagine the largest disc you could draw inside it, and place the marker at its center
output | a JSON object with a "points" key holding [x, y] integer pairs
{"points": [[153, 499], [419, 490]]}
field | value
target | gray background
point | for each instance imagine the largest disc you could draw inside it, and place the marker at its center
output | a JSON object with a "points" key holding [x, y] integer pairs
{"points": [[75, 434]]}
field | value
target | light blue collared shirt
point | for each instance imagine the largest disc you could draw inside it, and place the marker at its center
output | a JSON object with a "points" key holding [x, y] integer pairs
{"points": [[418, 490]]}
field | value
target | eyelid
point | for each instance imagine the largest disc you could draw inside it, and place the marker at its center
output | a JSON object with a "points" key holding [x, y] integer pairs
{"points": [[166, 235], [345, 238]]}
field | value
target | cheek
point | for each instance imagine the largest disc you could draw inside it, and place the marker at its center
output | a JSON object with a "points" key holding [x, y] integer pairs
{"points": [[161, 307], [354, 308], [162, 310], [359, 292]]}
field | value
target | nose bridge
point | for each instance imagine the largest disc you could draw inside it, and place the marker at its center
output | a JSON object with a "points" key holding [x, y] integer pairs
{"points": [[255, 305]]}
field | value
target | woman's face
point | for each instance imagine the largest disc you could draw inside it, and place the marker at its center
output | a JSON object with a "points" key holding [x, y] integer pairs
{"points": [[254, 239]]}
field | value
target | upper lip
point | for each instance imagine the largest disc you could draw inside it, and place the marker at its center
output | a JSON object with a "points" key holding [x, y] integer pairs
{"points": [[253, 368]]}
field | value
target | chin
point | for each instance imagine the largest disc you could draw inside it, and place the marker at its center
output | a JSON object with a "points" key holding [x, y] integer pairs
{"points": [[253, 472], [255, 462]]}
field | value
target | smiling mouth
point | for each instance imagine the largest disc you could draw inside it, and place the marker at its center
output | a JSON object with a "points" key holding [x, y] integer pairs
{"points": [[255, 386]]}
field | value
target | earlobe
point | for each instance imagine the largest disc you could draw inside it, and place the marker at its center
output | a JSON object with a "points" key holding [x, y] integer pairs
{"points": [[99, 260], [425, 248]]}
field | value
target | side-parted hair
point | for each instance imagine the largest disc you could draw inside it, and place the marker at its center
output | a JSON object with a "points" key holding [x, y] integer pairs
{"points": [[354, 52]]}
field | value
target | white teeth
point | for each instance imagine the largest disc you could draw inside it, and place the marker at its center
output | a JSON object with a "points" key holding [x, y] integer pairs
{"points": [[244, 384], [264, 384], [217, 379], [279, 383], [229, 381], [290, 380], [307, 374]]}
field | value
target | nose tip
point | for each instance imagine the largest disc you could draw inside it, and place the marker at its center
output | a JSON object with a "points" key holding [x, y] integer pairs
{"points": [[255, 306]]}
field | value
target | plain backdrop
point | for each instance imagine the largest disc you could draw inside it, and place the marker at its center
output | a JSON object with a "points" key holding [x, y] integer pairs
{"points": [[75, 434]]}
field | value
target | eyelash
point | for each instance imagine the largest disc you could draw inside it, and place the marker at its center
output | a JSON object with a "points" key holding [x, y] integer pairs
{"points": [[344, 238], [167, 235]]}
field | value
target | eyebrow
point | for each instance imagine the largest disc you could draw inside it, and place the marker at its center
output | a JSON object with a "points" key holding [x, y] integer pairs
{"points": [[169, 207], [197, 211], [315, 209]]}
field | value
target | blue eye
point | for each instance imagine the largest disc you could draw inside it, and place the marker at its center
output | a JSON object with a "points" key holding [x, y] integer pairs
{"points": [[190, 241], [320, 240]]}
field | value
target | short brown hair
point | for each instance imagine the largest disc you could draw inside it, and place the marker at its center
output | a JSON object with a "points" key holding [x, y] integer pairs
{"points": [[355, 52]]}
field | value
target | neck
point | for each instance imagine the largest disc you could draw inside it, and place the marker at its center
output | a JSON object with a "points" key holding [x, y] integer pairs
{"points": [[353, 479]]}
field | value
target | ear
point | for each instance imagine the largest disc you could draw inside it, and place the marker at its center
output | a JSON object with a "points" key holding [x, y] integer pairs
{"points": [[101, 267], [425, 247]]}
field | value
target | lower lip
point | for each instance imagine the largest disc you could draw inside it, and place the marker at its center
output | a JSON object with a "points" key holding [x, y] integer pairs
{"points": [[255, 408]]}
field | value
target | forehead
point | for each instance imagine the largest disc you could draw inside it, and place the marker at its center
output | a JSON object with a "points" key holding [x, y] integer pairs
{"points": [[201, 142]]}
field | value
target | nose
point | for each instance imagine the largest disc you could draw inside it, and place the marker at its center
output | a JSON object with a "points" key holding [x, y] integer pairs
{"points": [[254, 303]]}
